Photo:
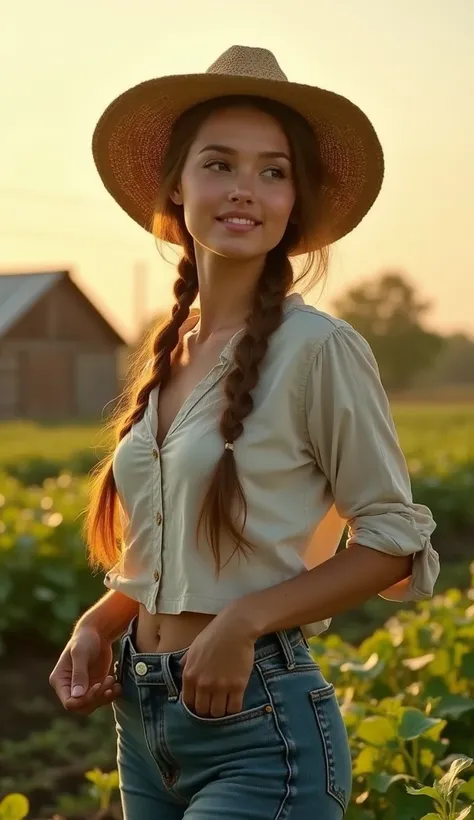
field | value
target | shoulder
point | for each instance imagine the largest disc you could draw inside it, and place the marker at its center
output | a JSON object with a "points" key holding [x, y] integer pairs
{"points": [[310, 328]]}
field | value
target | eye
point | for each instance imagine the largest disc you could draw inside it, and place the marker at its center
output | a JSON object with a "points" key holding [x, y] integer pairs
{"points": [[216, 162], [280, 174]]}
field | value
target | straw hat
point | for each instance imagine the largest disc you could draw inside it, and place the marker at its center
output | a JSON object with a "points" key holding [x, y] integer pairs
{"points": [[131, 137]]}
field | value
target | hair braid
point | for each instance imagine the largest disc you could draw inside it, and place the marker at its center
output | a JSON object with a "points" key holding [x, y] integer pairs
{"points": [[263, 321], [101, 522]]}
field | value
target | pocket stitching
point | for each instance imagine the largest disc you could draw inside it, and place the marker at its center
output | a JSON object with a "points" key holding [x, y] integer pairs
{"points": [[226, 720], [317, 697]]}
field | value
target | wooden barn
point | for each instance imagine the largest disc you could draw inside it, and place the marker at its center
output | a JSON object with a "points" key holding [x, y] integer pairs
{"points": [[59, 356]]}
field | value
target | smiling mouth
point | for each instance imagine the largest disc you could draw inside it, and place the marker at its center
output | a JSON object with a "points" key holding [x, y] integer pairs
{"points": [[238, 224]]}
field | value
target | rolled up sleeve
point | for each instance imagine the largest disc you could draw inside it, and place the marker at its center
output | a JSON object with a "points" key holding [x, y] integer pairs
{"points": [[355, 445]]}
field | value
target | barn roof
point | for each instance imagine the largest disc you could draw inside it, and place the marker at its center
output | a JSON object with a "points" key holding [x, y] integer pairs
{"points": [[20, 291]]}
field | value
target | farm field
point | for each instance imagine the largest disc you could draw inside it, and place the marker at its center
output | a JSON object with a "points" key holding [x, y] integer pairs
{"points": [[371, 654]]}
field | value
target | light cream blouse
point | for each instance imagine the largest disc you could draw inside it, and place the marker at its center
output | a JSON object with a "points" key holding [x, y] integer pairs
{"points": [[318, 451]]}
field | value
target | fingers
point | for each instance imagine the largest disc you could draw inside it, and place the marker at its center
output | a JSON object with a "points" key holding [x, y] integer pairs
{"points": [[80, 677], [62, 689], [202, 701], [188, 693], [218, 704], [100, 694], [206, 702]]}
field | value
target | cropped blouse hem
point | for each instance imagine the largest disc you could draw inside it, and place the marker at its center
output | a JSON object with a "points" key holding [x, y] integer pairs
{"points": [[205, 606]]}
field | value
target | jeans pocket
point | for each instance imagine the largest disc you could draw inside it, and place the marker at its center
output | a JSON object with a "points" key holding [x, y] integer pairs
{"points": [[335, 744], [226, 720]]}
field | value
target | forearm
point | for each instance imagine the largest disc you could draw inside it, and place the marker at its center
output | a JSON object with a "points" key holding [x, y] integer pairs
{"points": [[110, 615], [341, 583]]}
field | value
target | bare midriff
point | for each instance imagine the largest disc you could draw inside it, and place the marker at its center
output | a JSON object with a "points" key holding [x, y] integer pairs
{"points": [[168, 633]]}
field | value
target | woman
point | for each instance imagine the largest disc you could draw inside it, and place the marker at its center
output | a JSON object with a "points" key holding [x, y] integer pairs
{"points": [[246, 428]]}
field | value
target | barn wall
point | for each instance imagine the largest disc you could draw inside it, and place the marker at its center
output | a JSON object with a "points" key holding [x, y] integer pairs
{"points": [[64, 314], [56, 381], [60, 361], [9, 383]]}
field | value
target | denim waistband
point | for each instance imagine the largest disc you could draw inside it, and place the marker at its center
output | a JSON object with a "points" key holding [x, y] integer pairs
{"points": [[157, 667]]}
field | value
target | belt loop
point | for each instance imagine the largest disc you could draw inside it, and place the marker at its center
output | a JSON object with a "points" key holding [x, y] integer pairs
{"points": [[173, 692], [287, 649]]}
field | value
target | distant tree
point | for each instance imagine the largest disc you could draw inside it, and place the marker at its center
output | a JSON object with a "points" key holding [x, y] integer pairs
{"points": [[455, 363], [389, 314]]}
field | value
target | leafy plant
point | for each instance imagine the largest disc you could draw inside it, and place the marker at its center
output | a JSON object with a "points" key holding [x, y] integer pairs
{"points": [[406, 694], [103, 785], [445, 793]]}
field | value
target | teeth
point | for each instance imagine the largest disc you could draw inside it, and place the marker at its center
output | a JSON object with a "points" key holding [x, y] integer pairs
{"points": [[238, 221]]}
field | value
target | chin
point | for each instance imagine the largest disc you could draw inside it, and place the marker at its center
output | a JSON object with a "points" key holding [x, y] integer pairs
{"points": [[237, 250]]}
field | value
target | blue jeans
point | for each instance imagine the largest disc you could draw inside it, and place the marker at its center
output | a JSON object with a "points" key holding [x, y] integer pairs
{"points": [[285, 755]]}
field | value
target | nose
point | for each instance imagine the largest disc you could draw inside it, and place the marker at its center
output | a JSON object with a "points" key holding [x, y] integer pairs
{"points": [[241, 195]]}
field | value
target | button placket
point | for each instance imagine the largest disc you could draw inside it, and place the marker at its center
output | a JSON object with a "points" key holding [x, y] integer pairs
{"points": [[158, 494]]}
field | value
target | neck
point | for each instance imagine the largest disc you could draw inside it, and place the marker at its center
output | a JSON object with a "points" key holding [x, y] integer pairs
{"points": [[226, 291]]}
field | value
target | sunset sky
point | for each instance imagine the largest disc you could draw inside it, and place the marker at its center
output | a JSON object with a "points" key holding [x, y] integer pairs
{"points": [[408, 64]]}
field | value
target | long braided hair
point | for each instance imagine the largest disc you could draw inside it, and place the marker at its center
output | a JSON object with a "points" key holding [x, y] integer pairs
{"points": [[102, 529]]}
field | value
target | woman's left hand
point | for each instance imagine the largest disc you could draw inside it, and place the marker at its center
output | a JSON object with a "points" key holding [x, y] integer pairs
{"points": [[217, 667]]}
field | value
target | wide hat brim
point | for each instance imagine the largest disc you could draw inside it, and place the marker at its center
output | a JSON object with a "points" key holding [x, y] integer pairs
{"points": [[132, 135]]}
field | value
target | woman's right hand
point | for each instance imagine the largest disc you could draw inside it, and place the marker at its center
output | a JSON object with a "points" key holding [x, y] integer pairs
{"points": [[81, 677]]}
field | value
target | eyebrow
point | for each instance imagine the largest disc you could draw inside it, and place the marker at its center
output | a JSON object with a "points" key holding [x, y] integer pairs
{"points": [[226, 149]]}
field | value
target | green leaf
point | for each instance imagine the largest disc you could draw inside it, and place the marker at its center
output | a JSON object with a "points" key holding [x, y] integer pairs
{"points": [[435, 731], [454, 706], [468, 789], [441, 664], [382, 781], [405, 808], [467, 665], [414, 723], [428, 791], [431, 816], [376, 730], [464, 813], [366, 761]]}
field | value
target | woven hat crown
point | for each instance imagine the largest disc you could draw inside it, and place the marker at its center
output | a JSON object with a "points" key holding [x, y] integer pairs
{"points": [[245, 61], [133, 134]]}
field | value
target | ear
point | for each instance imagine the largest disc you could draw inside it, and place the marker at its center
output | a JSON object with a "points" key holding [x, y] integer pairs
{"points": [[176, 196]]}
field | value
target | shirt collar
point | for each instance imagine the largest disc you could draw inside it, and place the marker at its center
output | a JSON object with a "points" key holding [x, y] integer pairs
{"points": [[289, 302]]}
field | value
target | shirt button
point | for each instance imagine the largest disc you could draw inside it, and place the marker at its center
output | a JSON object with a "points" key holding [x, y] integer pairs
{"points": [[156, 575], [158, 518], [141, 668], [154, 453]]}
